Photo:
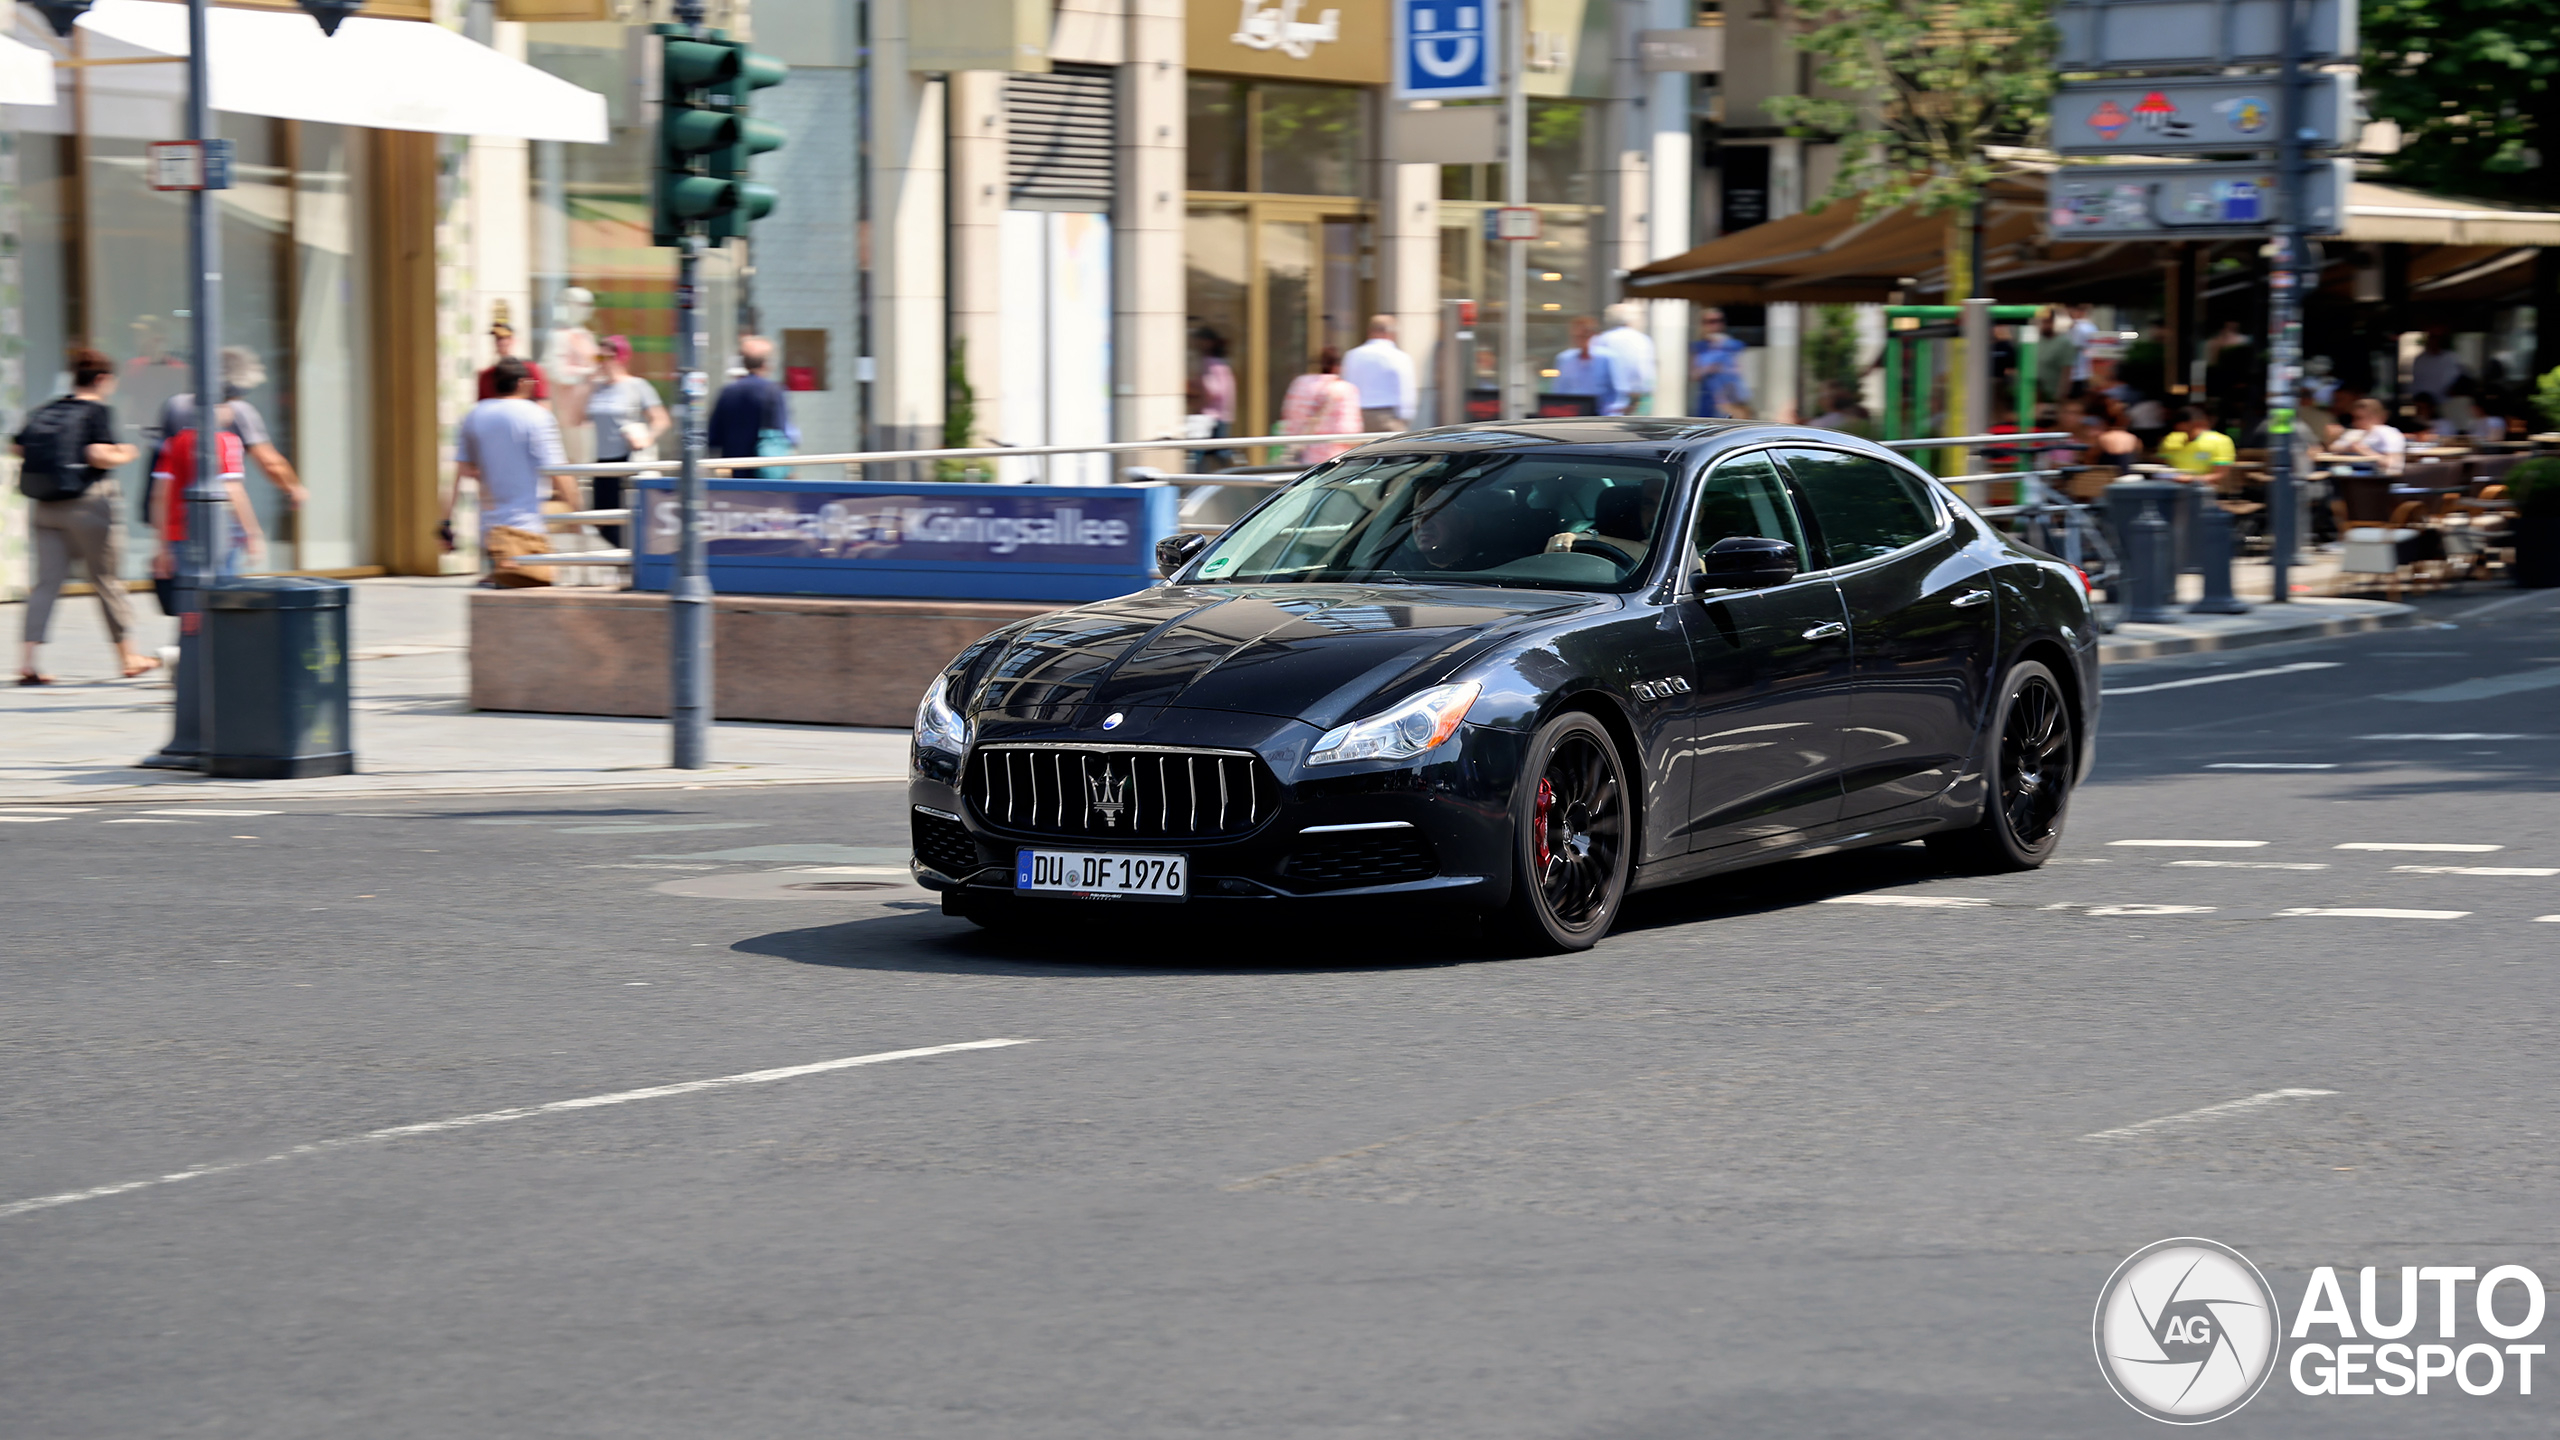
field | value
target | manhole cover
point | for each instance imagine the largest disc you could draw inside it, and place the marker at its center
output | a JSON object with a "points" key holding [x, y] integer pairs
{"points": [[846, 885]]}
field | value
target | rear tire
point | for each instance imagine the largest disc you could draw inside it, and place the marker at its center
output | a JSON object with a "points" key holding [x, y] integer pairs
{"points": [[1572, 839], [2028, 773]]}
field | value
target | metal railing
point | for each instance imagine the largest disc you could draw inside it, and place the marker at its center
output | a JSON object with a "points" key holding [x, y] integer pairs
{"points": [[728, 464]]}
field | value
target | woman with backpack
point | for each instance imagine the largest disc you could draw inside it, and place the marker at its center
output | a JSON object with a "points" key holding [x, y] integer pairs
{"points": [[67, 450]]}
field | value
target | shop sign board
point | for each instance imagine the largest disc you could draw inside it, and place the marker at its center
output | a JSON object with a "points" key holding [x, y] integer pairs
{"points": [[2174, 34], [2225, 200], [1445, 49], [2195, 116], [1342, 42], [948, 541]]}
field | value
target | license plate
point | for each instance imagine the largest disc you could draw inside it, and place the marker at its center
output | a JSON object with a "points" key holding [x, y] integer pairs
{"points": [[1087, 876]]}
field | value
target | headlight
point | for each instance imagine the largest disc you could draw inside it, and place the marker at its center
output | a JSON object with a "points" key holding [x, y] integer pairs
{"points": [[938, 726], [1401, 733]]}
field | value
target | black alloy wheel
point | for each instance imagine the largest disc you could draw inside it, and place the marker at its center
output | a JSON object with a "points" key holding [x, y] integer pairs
{"points": [[1570, 837], [2032, 766]]}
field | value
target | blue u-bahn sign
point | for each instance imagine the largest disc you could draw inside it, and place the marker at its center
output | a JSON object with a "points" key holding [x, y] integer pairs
{"points": [[1445, 49]]}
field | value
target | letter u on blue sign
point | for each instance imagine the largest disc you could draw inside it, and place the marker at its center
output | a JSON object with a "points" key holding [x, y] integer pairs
{"points": [[1444, 49]]}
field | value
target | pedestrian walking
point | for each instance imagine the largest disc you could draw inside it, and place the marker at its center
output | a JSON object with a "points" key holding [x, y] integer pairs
{"points": [[65, 450], [1320, 402], [505, 443], [628, 419], [1715, 369], [502, 337], [172, 471], [1383, 374], [1637, 363], [242, 372], [753, 414], [1590, 369]]}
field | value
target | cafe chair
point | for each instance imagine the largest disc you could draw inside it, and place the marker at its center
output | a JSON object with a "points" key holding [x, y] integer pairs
{"points": [[2391, 551]]}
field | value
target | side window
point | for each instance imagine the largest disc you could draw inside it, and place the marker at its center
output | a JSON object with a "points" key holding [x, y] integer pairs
{"points": [[1744, 496], [1862, 506]]}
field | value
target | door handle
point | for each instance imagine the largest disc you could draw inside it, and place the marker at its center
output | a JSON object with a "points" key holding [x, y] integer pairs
{"points": [[1971, 598], [1828, 629]]}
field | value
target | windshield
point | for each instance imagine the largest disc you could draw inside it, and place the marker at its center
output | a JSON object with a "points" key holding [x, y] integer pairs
{"points": [[1539, 521]]}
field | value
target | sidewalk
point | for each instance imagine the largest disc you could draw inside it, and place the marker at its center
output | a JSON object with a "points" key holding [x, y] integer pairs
{"points": [[414, 734]]}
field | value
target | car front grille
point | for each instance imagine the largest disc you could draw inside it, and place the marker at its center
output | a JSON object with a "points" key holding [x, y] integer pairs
{"points": [[946, 845], [1099, 792], [1361, 857]]}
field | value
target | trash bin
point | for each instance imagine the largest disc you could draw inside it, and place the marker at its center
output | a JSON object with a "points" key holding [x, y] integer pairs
{"points": [[275, 648]]}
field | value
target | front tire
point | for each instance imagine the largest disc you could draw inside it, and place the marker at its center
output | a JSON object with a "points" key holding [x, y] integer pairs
{"points": [[2033, 762], [1572, 838]]}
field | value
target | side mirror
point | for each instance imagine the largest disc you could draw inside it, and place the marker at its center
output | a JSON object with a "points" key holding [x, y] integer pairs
{"points": [[1175, 551], [1748, 562]]}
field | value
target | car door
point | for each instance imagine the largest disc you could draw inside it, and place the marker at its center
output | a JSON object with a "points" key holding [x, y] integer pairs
{"points": [[1771, 669], [1923, 618]]}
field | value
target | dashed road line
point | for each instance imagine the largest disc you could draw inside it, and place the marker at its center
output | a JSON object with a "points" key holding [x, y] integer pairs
{"points": [[30, 819], [2421, 846], [2271, 765], [2104, 911], [2532, 871], [500, 1117], [2486, 688], [2209, 1112], [200, 810], [2245, 865], [2219, 679], [1914, 902], [2195, 844], [2458, 735], [2371, 913]]}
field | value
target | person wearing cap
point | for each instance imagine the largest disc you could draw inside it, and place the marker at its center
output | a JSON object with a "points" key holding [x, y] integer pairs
{"points": [[536, 389], [628, 419]]}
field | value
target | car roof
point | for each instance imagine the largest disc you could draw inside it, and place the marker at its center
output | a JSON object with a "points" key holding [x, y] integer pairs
{"points": [[1630, 436]]}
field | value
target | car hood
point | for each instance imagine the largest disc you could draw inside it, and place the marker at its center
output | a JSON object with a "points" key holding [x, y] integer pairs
{"points": [[1318, 653]]}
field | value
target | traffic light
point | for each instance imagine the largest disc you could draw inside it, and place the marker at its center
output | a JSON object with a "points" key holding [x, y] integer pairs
{"points": [[706, 140]]}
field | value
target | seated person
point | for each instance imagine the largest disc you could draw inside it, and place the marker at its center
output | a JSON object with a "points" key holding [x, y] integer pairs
{"points": [[2373, 437], [2202, 454]]}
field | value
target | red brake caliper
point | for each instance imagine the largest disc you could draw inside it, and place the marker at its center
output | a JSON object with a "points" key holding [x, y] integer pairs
{"points": [[1546, 808]]}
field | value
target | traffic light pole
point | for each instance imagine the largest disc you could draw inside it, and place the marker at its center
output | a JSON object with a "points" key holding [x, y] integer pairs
{"points": [[2284, 314], [689, 596], [191, 731]]}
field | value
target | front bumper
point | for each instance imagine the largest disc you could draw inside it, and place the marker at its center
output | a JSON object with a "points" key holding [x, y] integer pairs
{"points": [[1436, 829]]}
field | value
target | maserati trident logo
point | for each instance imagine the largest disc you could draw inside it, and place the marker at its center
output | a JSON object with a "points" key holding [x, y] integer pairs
{"points": [[1108, 793]]}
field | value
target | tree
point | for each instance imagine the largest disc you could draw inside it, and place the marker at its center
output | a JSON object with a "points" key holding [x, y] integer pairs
{"points": [[1922, 93], [2475, 88]]}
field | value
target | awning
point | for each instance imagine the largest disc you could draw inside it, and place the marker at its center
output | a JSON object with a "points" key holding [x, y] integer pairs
{"points": [[26, 74], [382, 74]]}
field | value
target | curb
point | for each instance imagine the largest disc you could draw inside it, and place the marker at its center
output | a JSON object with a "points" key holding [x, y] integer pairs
{"points": [[158, 793], [2151, 642]]}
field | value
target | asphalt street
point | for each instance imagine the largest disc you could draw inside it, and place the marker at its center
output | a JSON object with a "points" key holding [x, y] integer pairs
{"points": [[1841, 1148]]}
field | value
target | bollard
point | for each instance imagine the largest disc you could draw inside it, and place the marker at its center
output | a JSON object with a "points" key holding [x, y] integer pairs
{"points": [[2213, 558], [2148, 561]]}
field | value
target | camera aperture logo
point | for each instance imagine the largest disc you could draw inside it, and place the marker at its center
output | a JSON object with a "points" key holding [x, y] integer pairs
{"points": [[2187, 1331]]}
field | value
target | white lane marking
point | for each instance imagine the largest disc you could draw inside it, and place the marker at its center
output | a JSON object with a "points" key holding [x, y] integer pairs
{"points": [[142, 822], [2457, 735], [2209, 1112], [2486, 688], [2368, 913], [2544, 919], [199, 810], [2246, 865], [2428, 847], [2151, 910], [2496, 605], [1915, 902], [2473, 870], [31, 819], [2269, 765], [2196, 844], [2218, 679], [500, 1117], [43, 810]]}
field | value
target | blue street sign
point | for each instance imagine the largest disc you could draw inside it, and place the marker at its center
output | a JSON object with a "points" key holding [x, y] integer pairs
{"points": [[1445, 50]]}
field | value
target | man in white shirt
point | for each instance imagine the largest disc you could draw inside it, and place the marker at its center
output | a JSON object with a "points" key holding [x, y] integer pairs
{"points": [[2435, 369], [2083, 333], [1383, 374], [503, 446], [1634, 350], [2375, 437]]}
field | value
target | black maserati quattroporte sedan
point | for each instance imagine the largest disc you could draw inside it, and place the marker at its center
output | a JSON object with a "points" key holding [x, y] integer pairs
{"points": [[1520, 670]]}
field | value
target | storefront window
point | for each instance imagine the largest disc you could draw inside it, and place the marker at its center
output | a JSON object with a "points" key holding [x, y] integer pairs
{"points": [[1309, 137], [1215, 144]]}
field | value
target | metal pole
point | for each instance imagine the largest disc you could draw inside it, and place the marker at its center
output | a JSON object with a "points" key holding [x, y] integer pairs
{"points": [[1515, 193], [2284, 317], [689, 596], [1976, 419], [191, 732]]}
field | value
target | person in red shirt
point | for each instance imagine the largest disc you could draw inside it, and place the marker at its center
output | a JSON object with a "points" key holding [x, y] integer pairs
{"points": [[173, 472], [503, 335]]}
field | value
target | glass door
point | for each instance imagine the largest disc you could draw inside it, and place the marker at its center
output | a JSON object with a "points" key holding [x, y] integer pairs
{"points": [[1270, 285]]}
